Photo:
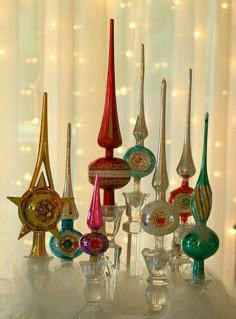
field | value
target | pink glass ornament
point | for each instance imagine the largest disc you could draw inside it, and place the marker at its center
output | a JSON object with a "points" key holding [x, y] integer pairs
{"points": [[94, 219]]}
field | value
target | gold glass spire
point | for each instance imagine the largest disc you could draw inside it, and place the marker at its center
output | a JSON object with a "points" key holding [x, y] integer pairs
{"points": [[40, 207]]}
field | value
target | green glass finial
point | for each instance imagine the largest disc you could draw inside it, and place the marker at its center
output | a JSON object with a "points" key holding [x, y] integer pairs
{"points": [[200, 242], [201, 200]]}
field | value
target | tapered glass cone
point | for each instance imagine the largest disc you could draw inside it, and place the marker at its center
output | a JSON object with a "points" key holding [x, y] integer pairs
{"points": [[201, 200], [69, 210], [43, 150], [186, 167], [109, 135], [160, 181], [140, 130], [95, 220]]}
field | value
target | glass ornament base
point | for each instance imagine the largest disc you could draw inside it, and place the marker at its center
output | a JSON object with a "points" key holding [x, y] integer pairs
{"points": [[112, 218], [112, 269], [38, 270], [134, 203], [133, 262], [200, 284], [94, 311], [95, 289], [156, 293]]}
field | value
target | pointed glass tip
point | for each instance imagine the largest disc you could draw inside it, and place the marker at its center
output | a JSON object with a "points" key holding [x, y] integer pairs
{"points": [[140, 131], [95, 219], [69, 210], [43, 149], [109, 136], [186, 167], [44, 111], [45, 96], [163, 82], [160, 181]]}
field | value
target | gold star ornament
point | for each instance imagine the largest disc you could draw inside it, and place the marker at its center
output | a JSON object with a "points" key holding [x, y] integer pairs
{"points": [[40, 207]]}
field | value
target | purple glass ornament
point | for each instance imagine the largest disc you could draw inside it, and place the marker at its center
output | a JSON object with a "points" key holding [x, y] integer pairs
{"points": [[94, 219], [94, 244]]}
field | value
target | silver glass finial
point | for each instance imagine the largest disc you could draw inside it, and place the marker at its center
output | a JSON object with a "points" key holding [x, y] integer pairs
{"points": [[140, 130], [186, 166], [69, 210], [160, 180]]}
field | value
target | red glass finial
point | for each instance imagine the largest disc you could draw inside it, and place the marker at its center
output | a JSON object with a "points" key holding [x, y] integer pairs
{"points": [[109, 136], [115, 172], [95, 220]]}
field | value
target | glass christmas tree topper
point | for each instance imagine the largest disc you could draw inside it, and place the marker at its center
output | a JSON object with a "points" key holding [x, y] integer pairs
{"points": [[114, 172], [95, 243], [67, 245], [142, 162], [200, 242], [140, 159], [40, 206], [180, 197], [160, 218]]}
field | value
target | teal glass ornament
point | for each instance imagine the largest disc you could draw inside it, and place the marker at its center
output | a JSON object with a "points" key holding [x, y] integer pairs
{"points": [[141, 161], [200, 242], [67, 245]]}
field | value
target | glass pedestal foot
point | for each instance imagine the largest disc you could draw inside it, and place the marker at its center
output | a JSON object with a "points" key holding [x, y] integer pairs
{"points": [[94, 291], [157, 292], [112, 218]]}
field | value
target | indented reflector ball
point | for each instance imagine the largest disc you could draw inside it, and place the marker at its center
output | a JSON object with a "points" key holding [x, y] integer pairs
{"points": [[94, 243], [159, 218]]}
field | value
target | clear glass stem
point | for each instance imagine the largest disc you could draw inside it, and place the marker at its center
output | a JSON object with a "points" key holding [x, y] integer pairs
{"points": [[137, 184], [133, 254], [159, 242]]}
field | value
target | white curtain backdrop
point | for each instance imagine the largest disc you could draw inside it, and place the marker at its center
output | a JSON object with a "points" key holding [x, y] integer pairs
{"points": [[61, 46]]}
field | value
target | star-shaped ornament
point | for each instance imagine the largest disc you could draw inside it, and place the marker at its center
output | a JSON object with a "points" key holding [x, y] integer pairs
{"points": [[40, 207]]}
